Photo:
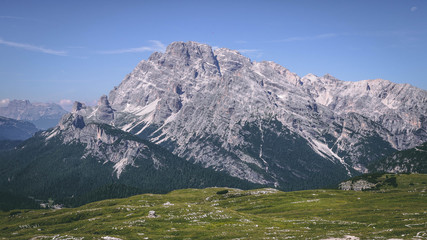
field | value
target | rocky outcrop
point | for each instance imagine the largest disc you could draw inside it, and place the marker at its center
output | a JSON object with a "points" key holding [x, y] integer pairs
{"points": [[152, 214], [100, 142], [358, 185], [104, 112]]}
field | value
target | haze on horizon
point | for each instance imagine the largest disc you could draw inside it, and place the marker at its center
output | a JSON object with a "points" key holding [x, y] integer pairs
{"points": [[57, 51]]}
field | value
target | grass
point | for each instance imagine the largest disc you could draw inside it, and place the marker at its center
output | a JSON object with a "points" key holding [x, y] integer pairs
{"points": [[390, 212]]}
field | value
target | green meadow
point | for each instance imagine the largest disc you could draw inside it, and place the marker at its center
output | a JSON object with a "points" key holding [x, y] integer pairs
{"points": [[389, 212]]}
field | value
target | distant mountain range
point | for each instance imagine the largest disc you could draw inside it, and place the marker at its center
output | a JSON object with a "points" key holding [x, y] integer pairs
{"points": [[42, 115], [11, 129], [194, 117]]}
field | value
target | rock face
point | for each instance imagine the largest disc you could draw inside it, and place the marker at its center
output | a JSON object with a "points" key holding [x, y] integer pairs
{"points": [[43, 115], [104, 111], [259, 121], [99, 143], [11, 129]]}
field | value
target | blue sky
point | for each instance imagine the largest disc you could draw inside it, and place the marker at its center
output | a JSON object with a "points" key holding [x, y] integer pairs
{"points": [[61, 51]]}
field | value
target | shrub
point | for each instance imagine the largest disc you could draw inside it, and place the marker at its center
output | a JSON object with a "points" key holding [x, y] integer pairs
{"points": [[222, 192]]}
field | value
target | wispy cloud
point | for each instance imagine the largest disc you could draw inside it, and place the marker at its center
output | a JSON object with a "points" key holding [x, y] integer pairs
{"points": [[155, 46], [33, 48], [308, 38], [413, 9]]}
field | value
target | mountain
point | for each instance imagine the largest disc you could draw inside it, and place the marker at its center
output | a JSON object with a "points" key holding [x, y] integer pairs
{"points": [[259, 121], [78, 162], [11, 129], [197, 117], [43, 115], [412, 160]]}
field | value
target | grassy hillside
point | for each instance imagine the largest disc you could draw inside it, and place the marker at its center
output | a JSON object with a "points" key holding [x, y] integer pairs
{"points": [[390, 212]]}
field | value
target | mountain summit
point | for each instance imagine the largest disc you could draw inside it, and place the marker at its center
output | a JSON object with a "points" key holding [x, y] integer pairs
{"points": [[259, 121]]}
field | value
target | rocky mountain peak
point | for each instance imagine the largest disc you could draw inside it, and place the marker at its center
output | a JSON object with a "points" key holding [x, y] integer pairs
{"points": [[190, 52], [329, 78], [104, 112], [103, 101], [78, 106], [19, 103], [155, 56], [220, 109], [231, 60]]}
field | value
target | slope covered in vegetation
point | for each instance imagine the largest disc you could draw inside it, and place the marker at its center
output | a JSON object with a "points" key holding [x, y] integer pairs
{"points": [[218, 213]]}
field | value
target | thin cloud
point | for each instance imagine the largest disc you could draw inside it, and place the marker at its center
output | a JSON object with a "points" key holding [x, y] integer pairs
{"points": [[413, 9], [76, 47], [91, 103], [155, 46], [11, 17], [4, 102], [247, 50], [66, 104], [308, 38], [33, 48], [252, 53]]}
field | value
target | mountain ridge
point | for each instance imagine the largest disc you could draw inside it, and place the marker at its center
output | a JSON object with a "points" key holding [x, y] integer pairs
{"points": [[11, 129], [73, 161], [43, 115]]}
